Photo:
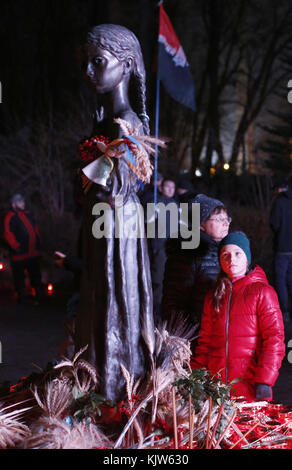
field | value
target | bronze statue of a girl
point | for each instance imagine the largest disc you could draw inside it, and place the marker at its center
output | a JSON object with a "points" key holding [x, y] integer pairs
{"points": [[116, 292]]}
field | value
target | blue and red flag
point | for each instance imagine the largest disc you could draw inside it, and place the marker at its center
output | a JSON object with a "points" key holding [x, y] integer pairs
{"points": [[173, 68]]}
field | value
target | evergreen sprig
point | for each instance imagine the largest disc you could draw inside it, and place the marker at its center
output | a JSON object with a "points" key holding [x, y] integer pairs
{"points": [[201, 385]]}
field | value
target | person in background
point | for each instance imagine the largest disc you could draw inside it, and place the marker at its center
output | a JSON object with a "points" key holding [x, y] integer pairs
{"points": [[190, 273], [185, 190], [242, 333], [74, 265], [281, 224], [279, 187], [147, 195], [167, 188], [156, 245], [23, 238]]}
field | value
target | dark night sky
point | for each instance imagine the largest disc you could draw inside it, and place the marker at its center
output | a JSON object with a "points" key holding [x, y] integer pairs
{"points": [[39, 70], [38, 66], [41, 79]]}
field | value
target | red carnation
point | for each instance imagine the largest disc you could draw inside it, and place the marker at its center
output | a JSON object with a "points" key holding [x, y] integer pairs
{"points": [[88, 149]]}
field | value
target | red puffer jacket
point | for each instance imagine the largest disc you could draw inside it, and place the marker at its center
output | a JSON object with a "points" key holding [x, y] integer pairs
{"points": [[245, 339]]}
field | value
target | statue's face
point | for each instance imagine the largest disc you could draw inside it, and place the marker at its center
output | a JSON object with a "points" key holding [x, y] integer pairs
{"points": [[104, 71]]}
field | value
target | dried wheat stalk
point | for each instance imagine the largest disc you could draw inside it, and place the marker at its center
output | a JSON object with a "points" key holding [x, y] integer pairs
{"points": [[54, 433], [56, 397], [131, 390], [12, 431], [141, 150], [75, 367]]}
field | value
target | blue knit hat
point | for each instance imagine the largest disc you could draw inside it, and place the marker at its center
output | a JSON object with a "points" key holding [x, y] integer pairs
{"points": [[16, 198], [238, 239], [207, 206]]}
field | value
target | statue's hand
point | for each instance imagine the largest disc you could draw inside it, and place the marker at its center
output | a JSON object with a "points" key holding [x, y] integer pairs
{"points": [[113, 153]]}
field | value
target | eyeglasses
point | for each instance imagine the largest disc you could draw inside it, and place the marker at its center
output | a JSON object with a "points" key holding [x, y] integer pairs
{"points": [[222, 220]]}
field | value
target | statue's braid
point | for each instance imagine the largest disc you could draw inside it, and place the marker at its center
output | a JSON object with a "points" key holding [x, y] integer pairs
{"points": [[141, 98]]}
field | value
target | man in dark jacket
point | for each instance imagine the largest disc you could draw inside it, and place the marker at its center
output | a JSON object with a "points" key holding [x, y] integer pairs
{"points": [[147, 194], [281, 223], [190, 274], [185, 190], [157, 254], [23, 238]]}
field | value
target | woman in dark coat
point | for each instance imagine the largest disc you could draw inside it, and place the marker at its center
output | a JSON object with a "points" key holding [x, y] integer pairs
{"points": [[191, 273], [116, 294]]}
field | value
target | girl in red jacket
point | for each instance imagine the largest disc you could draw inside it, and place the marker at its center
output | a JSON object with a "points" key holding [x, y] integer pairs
{"points": [[242, 333]]}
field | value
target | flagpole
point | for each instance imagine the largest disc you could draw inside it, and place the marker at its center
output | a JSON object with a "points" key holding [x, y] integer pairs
{"points": [[157, 120], [156, 135]]}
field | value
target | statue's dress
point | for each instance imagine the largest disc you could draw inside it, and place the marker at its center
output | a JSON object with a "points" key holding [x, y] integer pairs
{"points": [[116, 293]]}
